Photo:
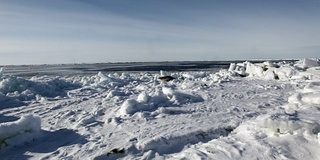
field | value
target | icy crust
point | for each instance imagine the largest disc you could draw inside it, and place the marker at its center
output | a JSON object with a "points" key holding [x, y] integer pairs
{"points": [[19, 132]]}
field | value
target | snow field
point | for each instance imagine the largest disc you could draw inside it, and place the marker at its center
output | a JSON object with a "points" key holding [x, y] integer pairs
{"points": [[292, 129], [251, 111]]}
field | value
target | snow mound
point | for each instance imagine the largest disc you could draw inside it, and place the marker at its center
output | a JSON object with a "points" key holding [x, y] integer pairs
{"points": [[285, 72], [157, 98], [24, 130]]}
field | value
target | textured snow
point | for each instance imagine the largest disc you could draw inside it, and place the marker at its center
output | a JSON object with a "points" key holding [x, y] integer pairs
{"points": [[250, 111]]}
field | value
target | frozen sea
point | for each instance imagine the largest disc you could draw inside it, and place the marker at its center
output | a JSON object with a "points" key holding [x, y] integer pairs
{"points": [[210, 110]]}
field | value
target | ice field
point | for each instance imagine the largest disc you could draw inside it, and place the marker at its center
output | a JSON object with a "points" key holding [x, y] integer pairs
{"points": [[261, 110]]}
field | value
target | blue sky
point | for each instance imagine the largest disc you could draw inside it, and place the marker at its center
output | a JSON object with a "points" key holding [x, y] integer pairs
{"points": [[77, 31]]}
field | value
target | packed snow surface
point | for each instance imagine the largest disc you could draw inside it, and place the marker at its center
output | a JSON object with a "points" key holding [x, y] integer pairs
{"points": [[266, 110]]}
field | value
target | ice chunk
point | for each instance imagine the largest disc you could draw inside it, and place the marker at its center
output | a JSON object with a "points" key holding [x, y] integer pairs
{"points": [[105, 80], [232, 67], [285, 72], [163, 73], [130, 106], [254, 70], [307, 63], [270, 75], [18, 132]]}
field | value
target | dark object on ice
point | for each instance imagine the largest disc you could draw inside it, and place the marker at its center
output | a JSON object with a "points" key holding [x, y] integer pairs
{"points": [[241, 75], [166, 78], [116, 151], [133, 140]]}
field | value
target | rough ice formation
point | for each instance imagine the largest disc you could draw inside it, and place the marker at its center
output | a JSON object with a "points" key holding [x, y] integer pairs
{"points": [[109, 80], [24, 89], [155, 99], [268, 70]]}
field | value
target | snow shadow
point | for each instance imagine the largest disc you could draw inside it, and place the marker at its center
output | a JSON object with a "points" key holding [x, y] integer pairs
{"points": [[109, 157], [46, 143], [4, 118], [174, 144]]}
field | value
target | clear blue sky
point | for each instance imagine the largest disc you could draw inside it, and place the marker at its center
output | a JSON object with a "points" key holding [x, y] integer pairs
{"points": [[76, 31]]}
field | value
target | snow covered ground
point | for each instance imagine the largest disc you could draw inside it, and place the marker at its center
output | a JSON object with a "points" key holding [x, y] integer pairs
{"points": [[251, 111]]}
